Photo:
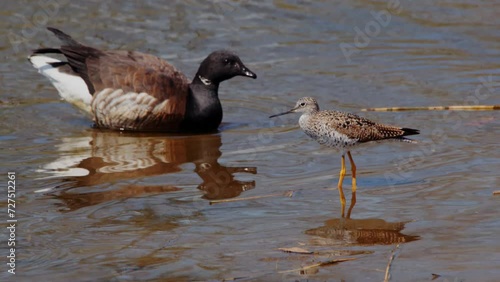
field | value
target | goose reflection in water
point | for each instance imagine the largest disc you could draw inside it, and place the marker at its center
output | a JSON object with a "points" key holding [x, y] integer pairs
{"points": [[117, 157]]}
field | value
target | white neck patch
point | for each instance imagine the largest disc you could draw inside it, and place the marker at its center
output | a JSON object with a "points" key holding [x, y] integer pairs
{"points": [[204, 80]]}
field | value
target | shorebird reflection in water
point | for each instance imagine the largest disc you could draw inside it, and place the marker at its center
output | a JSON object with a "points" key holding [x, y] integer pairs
{"points": [[343, 131], [367, 231]]}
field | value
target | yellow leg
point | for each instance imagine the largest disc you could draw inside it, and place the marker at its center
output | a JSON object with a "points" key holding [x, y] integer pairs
{"points": [[353, 170], [339, 186]]}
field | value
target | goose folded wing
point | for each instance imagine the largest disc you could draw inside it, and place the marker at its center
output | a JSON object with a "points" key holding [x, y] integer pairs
{"points": [[133, 90]]}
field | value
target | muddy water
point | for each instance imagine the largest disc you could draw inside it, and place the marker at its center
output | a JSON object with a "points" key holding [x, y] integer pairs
{"points": [[98, 206]]}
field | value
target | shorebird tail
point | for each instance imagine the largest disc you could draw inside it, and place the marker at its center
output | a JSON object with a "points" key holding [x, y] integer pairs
{"points": [[406, 132], [410, 131]]}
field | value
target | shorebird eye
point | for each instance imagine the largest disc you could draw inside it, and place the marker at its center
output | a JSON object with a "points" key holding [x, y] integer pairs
{"points": [[303, 104], [226, 61]]}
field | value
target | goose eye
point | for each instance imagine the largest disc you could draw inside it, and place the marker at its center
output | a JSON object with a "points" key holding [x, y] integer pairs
{"points": [[226, 61]]}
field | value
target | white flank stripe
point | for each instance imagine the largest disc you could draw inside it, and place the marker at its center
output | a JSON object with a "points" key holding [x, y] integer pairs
{"points": [[71, 88]]}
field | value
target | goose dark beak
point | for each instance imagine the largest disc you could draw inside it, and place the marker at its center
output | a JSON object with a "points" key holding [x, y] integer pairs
{"points": [[246, 72]]}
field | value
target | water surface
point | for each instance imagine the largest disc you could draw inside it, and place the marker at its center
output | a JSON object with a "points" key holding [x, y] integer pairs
{"points": [[99, 205]]}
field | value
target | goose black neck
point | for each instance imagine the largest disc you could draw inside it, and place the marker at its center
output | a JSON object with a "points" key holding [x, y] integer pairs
{"points": [[203, 108]]}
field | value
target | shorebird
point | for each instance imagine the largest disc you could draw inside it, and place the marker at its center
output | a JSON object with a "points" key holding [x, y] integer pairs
{"points": [[129, 90], [343, 131]]}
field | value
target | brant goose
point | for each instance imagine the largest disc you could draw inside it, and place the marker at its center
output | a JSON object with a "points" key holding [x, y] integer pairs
{"points": [[128, 90]]}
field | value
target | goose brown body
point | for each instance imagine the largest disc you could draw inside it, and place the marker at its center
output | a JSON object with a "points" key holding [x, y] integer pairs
{"points": [[136, 91]]}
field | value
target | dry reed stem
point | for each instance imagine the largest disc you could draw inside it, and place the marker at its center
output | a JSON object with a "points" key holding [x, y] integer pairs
{"points": [[435, 108], [388, 268]]}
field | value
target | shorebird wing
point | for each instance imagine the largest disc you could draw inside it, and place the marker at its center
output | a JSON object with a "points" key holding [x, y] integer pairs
{"points": [[363, 129]]}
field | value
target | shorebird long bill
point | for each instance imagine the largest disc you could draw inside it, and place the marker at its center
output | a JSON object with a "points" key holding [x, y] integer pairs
{"points": [[284, 113]]}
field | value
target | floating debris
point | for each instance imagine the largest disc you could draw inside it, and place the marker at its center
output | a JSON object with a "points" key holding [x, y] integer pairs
{"points": [[295, 250], [302, 270], [288, 194]]}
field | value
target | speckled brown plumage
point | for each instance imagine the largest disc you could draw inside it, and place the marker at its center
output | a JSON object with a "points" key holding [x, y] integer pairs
{"points": [[352, 126], [342, 130]]}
